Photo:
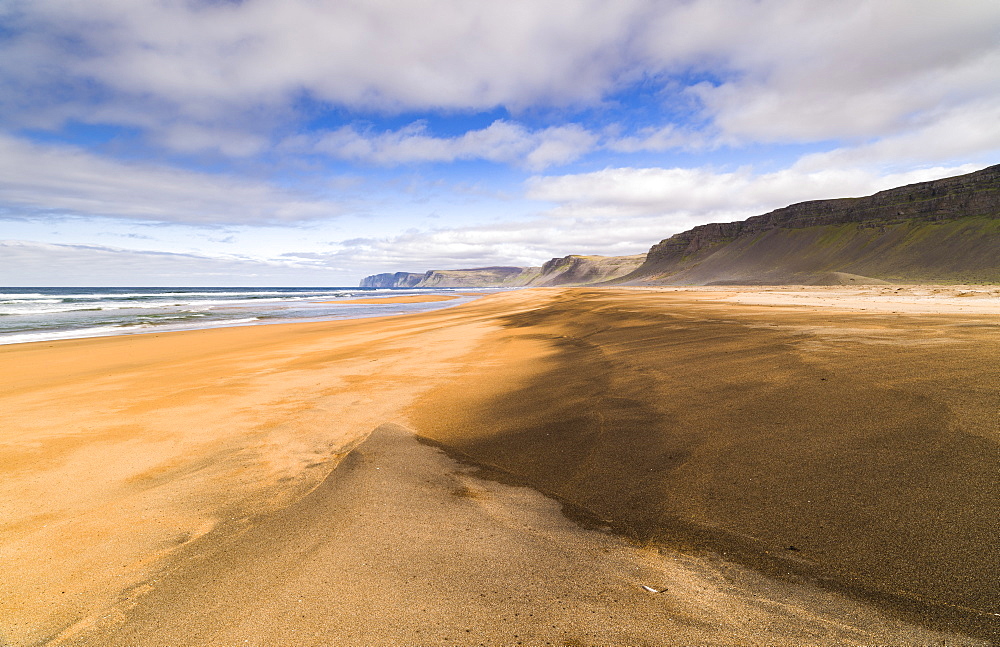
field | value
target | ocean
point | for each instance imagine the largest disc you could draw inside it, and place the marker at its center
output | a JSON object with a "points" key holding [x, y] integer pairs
{"points": [[42, 314]]}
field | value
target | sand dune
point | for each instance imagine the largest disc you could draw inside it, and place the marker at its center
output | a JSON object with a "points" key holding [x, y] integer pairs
{"points": [[790, 472]]}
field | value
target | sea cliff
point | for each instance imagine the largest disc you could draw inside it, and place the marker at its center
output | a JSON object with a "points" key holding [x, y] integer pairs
{"points": [[569, 270], [945, 230]]}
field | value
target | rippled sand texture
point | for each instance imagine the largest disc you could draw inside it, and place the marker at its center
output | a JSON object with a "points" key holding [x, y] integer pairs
{"points": [[734, 473]]}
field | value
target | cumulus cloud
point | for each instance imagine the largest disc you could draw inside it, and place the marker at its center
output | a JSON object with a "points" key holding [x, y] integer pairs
{"points": [[501, 141], [195, 138], [33, 263], [527, 242], [658, 139], [680, 197], [38, 179], [205, 57], [816, 70], [812, 70], [968, 132]]}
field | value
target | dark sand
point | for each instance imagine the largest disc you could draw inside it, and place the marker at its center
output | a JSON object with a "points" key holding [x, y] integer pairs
{"points": [[854, 447], [403, 546], [809, 474]]}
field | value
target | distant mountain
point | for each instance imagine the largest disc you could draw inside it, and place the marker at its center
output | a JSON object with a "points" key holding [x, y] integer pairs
{"points": [[945, 230], [570, 270], [473, 278]]}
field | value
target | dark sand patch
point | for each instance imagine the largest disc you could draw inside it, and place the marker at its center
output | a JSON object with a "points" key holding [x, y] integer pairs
{"points": [[747, 431], [392, 550]]}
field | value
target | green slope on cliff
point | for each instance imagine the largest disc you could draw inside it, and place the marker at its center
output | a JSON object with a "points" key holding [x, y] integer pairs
{"points": [[942, 231]]}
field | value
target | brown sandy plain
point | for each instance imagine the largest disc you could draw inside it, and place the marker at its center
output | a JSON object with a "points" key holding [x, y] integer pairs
{"points": [[647, 466]]}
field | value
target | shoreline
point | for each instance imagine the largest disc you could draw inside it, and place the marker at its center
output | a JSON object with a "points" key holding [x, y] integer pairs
{"points": [[239, 423], [915, 299], [417, 298], [50, 314]]}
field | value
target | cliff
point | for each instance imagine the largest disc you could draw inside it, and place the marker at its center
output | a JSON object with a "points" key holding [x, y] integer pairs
{"points": [[472, 278], [391, 280], [585, 270], [944, 230], [480, 277]]}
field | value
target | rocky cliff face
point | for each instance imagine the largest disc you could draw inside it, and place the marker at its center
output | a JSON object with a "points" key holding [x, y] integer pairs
{"points": [[479, 277], [946, 230], [391, 280], [584, 270], [899, 234]]}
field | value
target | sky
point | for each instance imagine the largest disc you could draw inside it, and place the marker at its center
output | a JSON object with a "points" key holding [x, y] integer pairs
{"points": [[314, 142]]}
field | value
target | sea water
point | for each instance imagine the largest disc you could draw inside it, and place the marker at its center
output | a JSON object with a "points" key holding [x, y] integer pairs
{"points": [[42, 314]]}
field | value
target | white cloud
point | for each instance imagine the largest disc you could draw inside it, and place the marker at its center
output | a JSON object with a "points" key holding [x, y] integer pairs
{"points": [[658, 139], [959, 133], [31, 264], [196, 138], [560, 145], [679, 198], [816, 70], [501, 141], [806, 71], [528, 242], [207, 58], [62, 180]]}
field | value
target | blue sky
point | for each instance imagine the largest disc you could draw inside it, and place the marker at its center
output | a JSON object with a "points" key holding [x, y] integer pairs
{"points": [[311, 142]]}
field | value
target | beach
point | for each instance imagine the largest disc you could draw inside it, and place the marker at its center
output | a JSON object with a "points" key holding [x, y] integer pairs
{"points": [[566, 466]]}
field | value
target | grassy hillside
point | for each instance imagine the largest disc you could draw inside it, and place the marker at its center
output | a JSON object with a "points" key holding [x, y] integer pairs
{"points": [[966, 250], [584, 270], [943, 231]]}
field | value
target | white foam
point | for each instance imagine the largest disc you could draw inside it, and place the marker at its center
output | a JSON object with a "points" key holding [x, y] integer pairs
{"points": [[53, 335]]}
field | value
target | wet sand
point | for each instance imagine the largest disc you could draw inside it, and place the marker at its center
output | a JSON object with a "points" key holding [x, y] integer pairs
{"points": [[416, 298], [790, 474]]}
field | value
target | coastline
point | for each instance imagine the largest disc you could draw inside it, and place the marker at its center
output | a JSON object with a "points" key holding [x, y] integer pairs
{"points": [[159, 439], [430, 298], [50, 314]]}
